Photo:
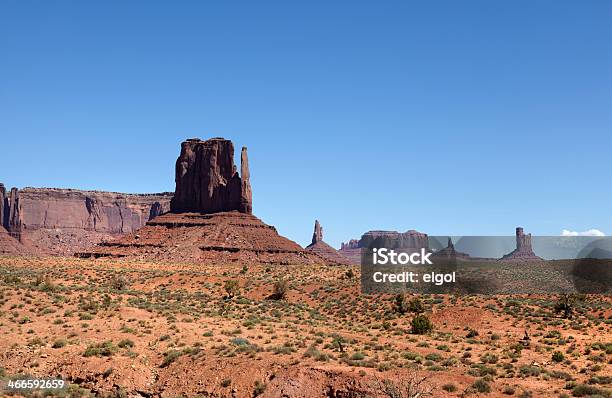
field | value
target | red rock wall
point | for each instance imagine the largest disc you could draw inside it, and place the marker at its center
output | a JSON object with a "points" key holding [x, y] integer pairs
{"points": [[108, 212]]}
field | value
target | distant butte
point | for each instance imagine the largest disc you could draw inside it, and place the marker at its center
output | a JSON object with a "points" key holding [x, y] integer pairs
{"points": [[523, 251]]}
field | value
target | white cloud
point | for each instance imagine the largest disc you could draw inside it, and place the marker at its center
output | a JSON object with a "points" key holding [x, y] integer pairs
{"points": [[590, 232]]}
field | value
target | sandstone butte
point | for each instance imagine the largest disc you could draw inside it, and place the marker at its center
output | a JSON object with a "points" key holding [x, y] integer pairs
{"points": [[523, 251], [318, 246], [210, 217], [410, 240]]}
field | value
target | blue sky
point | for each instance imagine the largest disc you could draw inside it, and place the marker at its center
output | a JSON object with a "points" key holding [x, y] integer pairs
{"points": [[452, 118]]}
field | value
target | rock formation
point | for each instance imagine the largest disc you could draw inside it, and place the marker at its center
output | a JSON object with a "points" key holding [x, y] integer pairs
{"points": [[210, 218], [449, 252], [523, 251], [14, 218], [409, 241], [323, 249], [2, 204], [317, 235], [62, 221], [207, 181]]}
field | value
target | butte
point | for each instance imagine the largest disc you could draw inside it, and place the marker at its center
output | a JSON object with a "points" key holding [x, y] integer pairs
{"points": [[210, 218]]}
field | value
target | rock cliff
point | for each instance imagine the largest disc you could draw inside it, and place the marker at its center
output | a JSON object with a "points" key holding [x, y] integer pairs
{"points": [[61, 221]]}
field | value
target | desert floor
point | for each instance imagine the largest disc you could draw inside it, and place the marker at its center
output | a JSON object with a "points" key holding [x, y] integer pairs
{"points": [[131, 328]]}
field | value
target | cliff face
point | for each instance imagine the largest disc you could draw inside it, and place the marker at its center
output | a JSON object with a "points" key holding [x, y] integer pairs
{"points": [[88, 210], [207, 180], [60, 221]]}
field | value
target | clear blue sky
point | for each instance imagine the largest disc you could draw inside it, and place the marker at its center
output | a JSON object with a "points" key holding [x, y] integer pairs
{"points": [[449, 117]]}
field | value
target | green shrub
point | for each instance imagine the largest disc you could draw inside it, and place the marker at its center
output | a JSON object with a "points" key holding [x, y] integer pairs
{"points": [[482, 386], [232, 288], [421, 324], [584, 390], [105, 349], [558, 356]]}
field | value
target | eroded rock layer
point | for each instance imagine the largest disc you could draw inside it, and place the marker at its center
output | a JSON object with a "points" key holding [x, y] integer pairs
{"points": [[224, 237]]}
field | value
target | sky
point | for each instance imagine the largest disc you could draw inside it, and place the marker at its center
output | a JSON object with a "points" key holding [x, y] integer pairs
{"points": [[448, 117]]}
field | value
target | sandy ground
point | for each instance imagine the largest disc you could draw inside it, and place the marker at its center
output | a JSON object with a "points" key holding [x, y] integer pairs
{"points": [[131, 328]]}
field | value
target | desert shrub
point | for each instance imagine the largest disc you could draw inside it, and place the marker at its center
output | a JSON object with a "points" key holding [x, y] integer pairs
{"points": [[482, 386], [104, 349], [59, 343], [526, 394], [449, 387], [118, 283], [226, 383], [528, 370], [489, 358], [170, 357], [567, 303], [421, 324], [280, 289], [126, 343], [416, 306], [585, 390], [558, 356], [401, 304], [232, 288], [509, 390], [259, 388]]}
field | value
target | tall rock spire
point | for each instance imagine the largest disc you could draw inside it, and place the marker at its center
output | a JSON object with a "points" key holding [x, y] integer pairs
{"points": [[317, 235], [246, 195], [2, 196]]}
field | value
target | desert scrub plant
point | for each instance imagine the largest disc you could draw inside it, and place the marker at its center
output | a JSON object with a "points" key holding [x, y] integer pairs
{"points": [[401, 303], [421, 324], [280, 289], [482, 386], [449, 387], [170, 357], [118, 282], [60, 343], [558, 356], [104, 349], [414, 386], [232, 288], [567, 303], [585, 390], [259, 388], [125, 343]]}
